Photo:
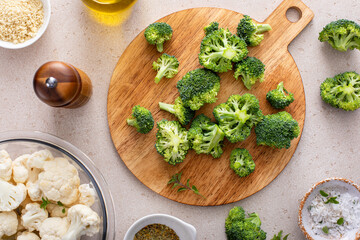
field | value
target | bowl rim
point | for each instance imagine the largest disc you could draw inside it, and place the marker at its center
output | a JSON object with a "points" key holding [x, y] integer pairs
{"points": [[75, 154], [42, 30], [303, 201]]}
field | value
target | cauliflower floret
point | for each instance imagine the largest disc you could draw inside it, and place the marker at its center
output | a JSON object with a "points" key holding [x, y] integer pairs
{"points": [[38, 159], [34, 191], [60, 181], [83, 221], [53, 228], [28, 236], [32, 216], [11, 196], [87, 195], [20, 171], [5, 166], [56, 210], [8, 223]]}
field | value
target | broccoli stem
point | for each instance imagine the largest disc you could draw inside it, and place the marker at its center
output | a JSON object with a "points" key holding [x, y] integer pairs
{"points": [[160, 74], [261, 28], [167, 107], [160, 47], [131, 122], [229, 53]]}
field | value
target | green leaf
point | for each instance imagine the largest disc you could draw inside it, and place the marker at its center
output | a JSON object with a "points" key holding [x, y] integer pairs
{"points": [[340, 221], [188, 182], [324, 194], [175, 185], [182, 189], [179, 176], [60, 204], [325, 230], [194, 189], [63, 211], [332, 200], [44, 203]]}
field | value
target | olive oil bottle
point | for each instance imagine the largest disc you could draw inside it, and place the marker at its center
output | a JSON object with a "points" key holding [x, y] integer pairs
{"points": [[110, 12]]}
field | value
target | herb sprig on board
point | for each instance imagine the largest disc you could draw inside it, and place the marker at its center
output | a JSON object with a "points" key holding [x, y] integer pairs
{"points": [[176, 181]]}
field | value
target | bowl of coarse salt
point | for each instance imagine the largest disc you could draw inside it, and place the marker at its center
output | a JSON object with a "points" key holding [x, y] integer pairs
{"points": [[23, 22], [331, 210]]}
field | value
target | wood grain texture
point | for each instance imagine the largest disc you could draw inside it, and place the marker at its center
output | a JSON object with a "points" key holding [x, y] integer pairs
{"points": [[132, 83]]}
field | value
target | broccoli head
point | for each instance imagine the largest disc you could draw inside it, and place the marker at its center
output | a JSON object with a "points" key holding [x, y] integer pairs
{"points": [[157, 33], [206, 136], [241, 162], [280, 98], [277, 130], [213, 26], [198, 87], [342, 91], [238, 115], [240, 227], [220, 49], [184, 114], [251, 70], [342, 35], [251, 32], [141, 119], [166, 66], [172, 141]]}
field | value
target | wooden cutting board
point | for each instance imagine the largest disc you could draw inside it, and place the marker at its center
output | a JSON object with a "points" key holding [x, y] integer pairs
{"points": [[133, 83]]}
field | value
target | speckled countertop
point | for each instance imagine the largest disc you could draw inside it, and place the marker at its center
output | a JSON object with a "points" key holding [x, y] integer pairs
{"points": [[329, 146]]}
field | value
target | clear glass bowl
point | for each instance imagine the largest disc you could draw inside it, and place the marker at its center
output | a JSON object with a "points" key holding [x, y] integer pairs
{"points": [[17, 143]]}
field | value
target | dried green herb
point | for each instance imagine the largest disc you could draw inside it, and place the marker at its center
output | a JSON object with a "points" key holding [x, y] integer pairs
{"points": [[324, 194], [45, 202], [61, 205], [340, 221], [325, 230], [156, 232], [176, 181], [332, 200]]}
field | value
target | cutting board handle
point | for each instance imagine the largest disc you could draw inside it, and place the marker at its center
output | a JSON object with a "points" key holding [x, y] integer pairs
{"points": [[283, 28]]}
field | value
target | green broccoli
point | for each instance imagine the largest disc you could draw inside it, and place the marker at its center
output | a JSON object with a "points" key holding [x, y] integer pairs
{"points": [[238, 115], [241, 162], [141, 119], [184, 114], [280, 237], [342, 35], [206, 137], [277, 130], [251, 32], [251, 70], [342, 91], [213, 26], [157, 33], [240, 227], [166, 66], [198, 87], [280, 98], [172, 141], [220, 49]]}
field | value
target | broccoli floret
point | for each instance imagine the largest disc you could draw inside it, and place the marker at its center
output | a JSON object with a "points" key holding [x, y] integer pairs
{"points": [[141, 119], [280, 98], [220, 49], [206, 136], [172, 141], [277, 130], [342, 91], [157, 33], [280, 237], [251, 70], [184, 114], [241, 162], [251, 32], [238, 115], [240, 227], [342, 35], [213, 26], [198, 87], [166, 66]]}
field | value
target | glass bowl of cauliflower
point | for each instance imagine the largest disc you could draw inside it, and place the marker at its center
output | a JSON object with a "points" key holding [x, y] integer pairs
{"points": [[50, 190]]}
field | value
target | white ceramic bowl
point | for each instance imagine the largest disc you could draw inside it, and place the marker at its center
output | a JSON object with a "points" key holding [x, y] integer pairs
{"points": [[338, 184], [184, 230], [47, 13]]}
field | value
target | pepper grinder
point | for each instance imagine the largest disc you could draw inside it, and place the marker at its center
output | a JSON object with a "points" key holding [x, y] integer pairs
{"points": [[60, 84]]}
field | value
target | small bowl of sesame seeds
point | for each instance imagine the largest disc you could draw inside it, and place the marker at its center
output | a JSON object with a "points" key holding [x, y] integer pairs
{"points": [[23, 22]]}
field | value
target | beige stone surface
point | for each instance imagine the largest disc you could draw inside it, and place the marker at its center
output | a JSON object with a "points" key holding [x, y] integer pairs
{"points": [[329, 146]]}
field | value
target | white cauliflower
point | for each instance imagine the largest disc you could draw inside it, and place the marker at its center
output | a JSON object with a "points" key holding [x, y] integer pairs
{"points": [[53, 228], [32, 216], [20, 170], [11, 196], [56, 210], [5, 166], [87, 195], [83, 221], [39, 158], [34, 191], [60, 181], [28, 236], [8, 224]]}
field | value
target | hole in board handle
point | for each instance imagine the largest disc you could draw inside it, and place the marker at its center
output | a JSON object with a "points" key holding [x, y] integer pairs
{"points": [[293, 14]]}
